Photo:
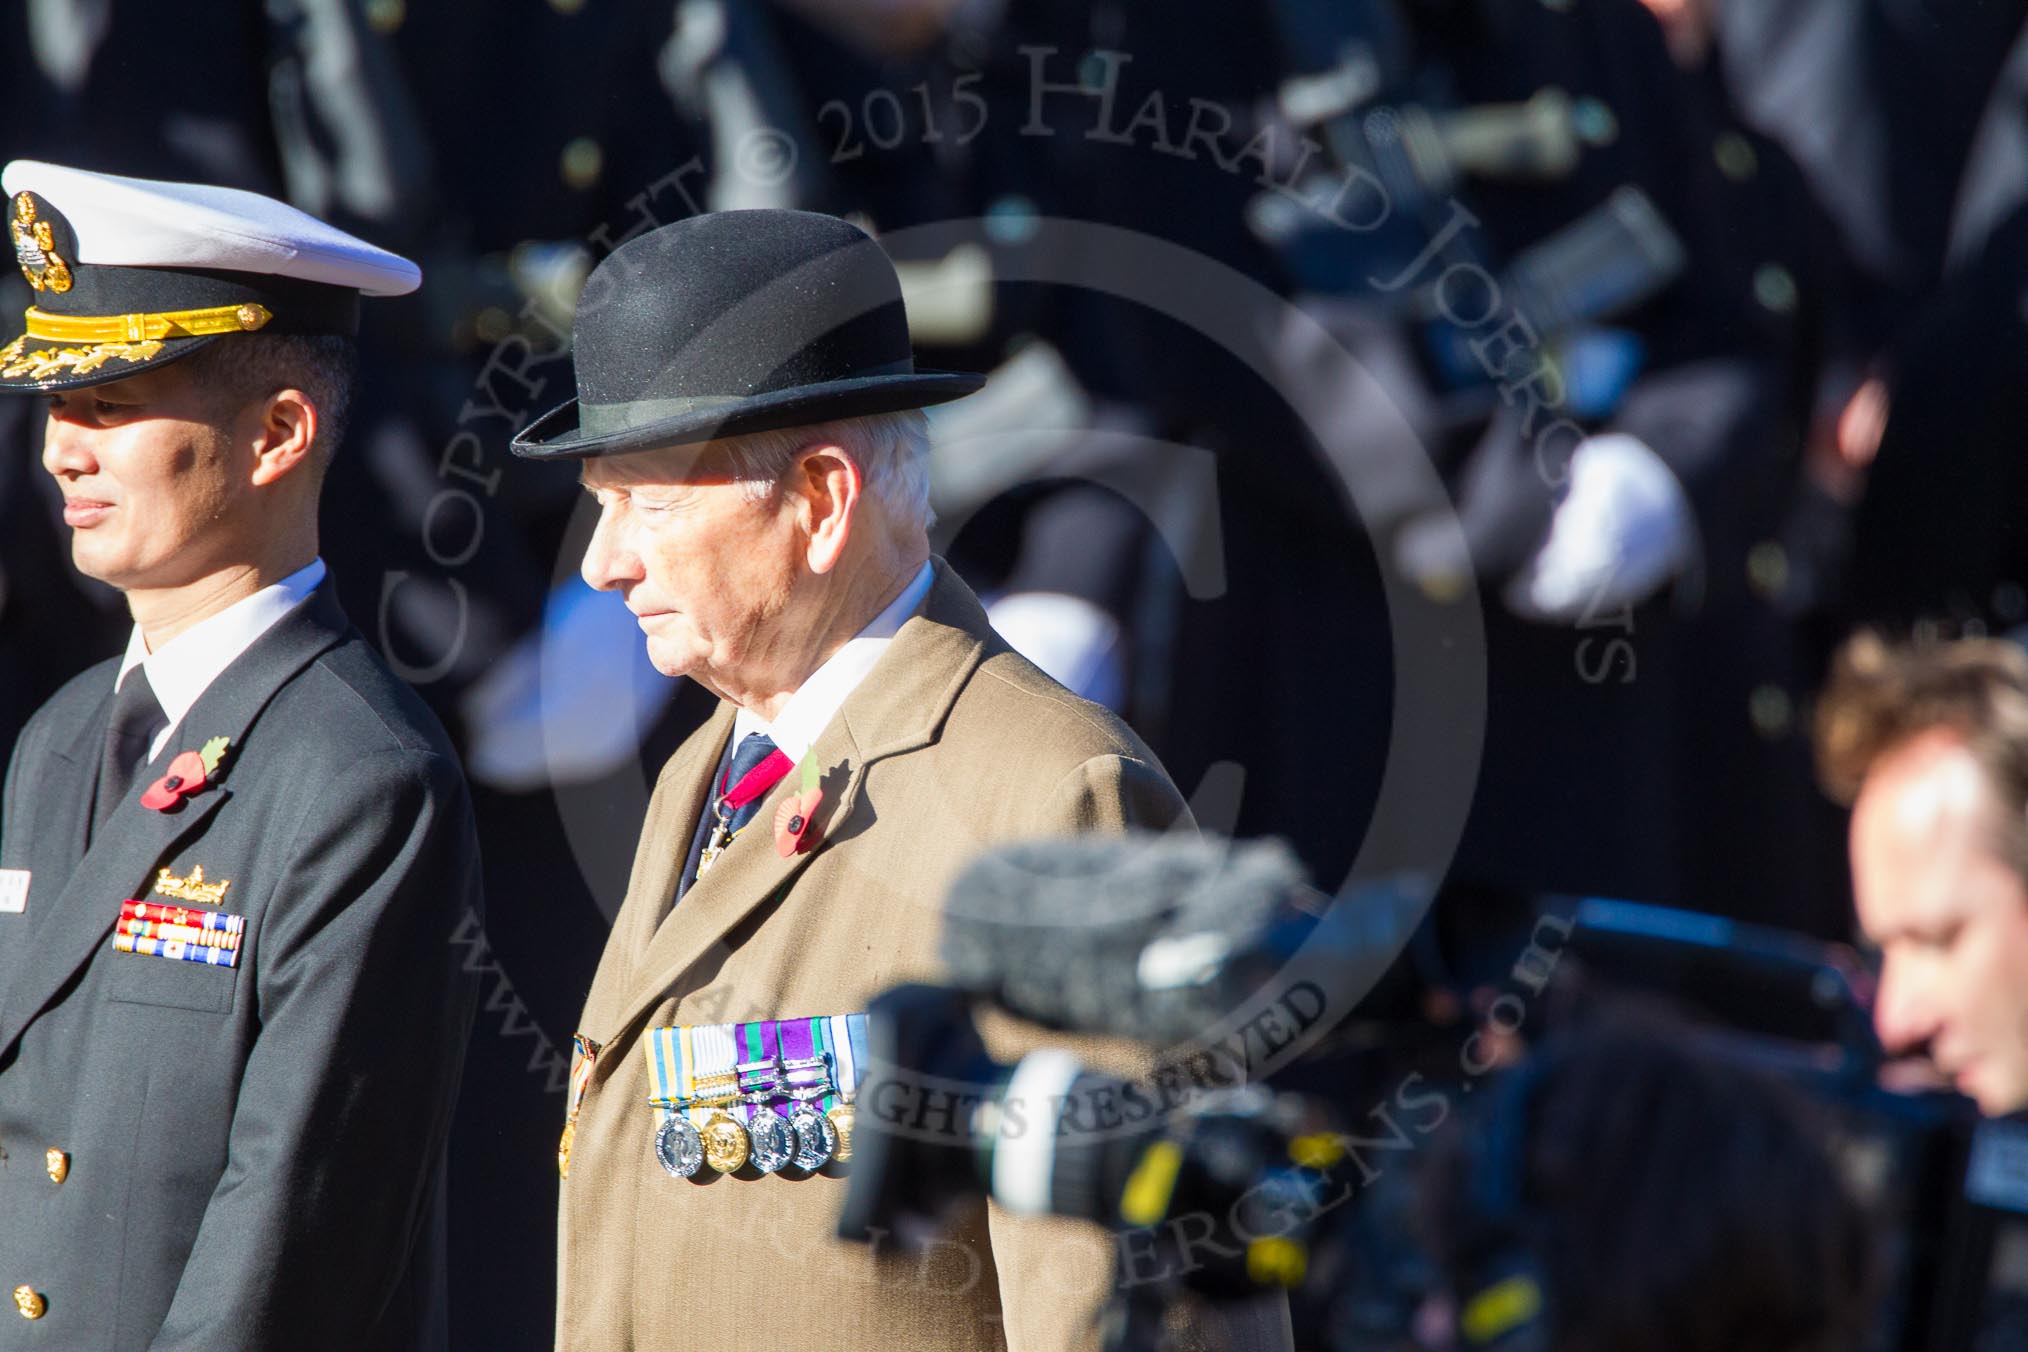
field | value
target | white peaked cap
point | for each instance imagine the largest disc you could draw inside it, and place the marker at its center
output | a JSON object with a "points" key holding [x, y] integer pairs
{"points": [[138, 222]]}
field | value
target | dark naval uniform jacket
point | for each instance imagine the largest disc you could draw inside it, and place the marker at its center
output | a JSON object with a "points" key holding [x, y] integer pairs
{"points": [[202, 1158]]}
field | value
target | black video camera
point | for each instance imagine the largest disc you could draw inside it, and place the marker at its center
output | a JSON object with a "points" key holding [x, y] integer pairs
{"points": [[1254, 1153]]}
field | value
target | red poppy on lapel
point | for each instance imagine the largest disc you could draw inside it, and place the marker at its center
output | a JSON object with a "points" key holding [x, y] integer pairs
{"points": [[796, 819], [796, 823], [190, 773]]}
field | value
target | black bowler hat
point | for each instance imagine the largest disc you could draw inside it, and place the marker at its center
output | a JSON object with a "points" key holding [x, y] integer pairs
{"points": [[736, 322], [130, 273]]}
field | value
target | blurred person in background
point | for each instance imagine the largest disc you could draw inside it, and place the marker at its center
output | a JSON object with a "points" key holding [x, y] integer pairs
{"points": [[1910, 122], [1624, 1194], [1929, 744]]}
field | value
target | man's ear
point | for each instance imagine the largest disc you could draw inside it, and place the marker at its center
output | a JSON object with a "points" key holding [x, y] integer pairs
{"points": [[283, 435], [826, 485]]}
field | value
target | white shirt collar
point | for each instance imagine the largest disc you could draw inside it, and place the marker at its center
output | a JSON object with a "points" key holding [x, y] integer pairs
{"points": [[186, 665], [819, 698]]}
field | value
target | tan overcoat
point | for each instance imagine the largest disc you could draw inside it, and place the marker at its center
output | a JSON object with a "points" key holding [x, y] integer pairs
{"points": [[953, 743]]}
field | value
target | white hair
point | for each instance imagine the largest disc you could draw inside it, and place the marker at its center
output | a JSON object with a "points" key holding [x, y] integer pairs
{"points": [[890, 449]]}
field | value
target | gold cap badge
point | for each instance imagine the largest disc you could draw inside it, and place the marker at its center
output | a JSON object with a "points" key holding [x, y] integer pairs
{"points": [[35, 249], [58, 1163]]}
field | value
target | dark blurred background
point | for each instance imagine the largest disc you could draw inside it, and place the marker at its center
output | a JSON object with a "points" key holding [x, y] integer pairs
{"points": [[1691, 335]]}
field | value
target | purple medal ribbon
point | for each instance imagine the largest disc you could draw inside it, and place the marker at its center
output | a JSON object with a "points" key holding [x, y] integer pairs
{"points": [[799, 1043]]}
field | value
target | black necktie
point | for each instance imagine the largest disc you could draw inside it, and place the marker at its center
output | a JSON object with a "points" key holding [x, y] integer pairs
{"points": [[137, 720]]}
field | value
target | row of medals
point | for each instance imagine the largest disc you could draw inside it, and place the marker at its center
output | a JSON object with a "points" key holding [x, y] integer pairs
{"points": [[806, 1139]]}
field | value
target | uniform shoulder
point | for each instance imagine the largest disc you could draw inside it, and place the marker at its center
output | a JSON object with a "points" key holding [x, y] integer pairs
{"points": [[349, 698], [1011, 691], [75, 702]]}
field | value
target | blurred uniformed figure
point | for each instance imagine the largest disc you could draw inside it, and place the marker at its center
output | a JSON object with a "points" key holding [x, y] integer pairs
{"points": [[1619, 410], [1938, 534], [233, 860], [1879, 103]]}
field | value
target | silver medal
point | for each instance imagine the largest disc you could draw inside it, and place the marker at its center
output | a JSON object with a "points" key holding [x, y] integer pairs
{"points": [[774, 1140], [816, 1138], [678, 1146]]}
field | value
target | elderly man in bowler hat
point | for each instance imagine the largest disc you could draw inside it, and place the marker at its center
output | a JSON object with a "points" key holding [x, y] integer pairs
{"points": [[749, 421]]}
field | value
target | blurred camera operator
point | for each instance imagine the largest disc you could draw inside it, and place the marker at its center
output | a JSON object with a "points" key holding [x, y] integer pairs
{"points": [[1930, 746], [1627, 1194]]}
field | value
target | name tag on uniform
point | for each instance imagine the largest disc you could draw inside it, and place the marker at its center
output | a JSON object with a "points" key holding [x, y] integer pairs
{"points": [[13, 891]]}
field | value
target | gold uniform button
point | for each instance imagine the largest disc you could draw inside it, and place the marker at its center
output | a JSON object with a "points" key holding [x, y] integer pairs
{"points": [[1774, 286], [58, 1163], [1735, 157], [1771, 711], [1767, 569], [31, 1304], [582, 163]]}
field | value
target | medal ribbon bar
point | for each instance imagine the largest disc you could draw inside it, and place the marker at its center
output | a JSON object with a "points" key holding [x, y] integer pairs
{"points": [[177, 949], [190, 916]]}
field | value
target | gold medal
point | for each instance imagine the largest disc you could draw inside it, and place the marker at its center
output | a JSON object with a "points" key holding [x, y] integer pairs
{"points": [[725, 1143], [586, 1053], [841, 1121], [715, 846]]}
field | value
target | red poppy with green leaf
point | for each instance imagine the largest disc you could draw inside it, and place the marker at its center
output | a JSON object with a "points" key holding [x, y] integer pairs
{"points": [[190, 773]]}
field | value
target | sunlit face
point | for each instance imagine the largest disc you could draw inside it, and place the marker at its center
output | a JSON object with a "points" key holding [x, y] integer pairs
{"points": [[703, 567], [156, 489], [1950, 917]]}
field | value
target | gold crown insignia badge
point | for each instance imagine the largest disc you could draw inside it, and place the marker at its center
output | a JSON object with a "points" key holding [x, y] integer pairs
{"points": [[35, 249], [192, 889]]}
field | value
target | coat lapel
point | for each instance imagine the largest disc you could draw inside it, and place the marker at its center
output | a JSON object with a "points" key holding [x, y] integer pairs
{"points": [[897, 708], [80, 771], [658, 864], [126, 851]]}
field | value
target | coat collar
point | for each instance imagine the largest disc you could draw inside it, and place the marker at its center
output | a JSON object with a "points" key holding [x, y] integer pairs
{"points": [[900, 706], [129, 847]]}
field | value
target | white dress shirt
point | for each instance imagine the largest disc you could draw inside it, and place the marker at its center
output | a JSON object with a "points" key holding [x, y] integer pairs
{"points": [[818, 699], [187, 664]]}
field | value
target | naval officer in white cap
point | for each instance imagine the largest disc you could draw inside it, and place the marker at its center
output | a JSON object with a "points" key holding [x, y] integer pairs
{"points": [[232, 861]]}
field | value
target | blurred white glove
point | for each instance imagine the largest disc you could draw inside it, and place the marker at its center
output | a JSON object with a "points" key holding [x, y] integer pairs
{"points": [[570, 702], [1622, 532], [1075, 642]]}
